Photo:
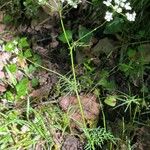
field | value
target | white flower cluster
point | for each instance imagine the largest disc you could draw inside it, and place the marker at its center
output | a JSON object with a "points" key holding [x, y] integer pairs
{"points": [[25, 129], [73, 3], [42, 2], [118, 6]]}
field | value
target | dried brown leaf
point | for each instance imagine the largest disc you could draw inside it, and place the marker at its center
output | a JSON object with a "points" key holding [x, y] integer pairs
{"points": [[91, 108], [2, 88]]}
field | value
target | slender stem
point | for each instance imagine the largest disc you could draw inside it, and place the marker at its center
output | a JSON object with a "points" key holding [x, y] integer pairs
{"points": [[89, 33], [71, 48], [28, 107], [73, 70], [52, 71], [104, 119]]}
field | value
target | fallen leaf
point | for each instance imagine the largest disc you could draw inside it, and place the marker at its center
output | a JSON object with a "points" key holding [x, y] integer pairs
{"points": [[2, 28], [40, 50], [142, 135], [54, 43], [72, 143], [103, 46], [111, 100], [41, 93], [1, 15], [2, 75], [91, 108], [2, 88]]}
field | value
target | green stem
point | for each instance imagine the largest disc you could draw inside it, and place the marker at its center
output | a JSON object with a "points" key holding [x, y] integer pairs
{"points": [[73, 70], [49, 70], [88, 33], [71, 48]]}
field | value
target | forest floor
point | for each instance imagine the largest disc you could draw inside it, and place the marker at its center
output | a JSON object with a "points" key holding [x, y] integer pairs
{"points": [[38, 104]]}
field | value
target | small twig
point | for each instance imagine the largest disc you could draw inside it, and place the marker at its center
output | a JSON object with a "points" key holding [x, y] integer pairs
{"points": [[5, 4], [41, 23]]}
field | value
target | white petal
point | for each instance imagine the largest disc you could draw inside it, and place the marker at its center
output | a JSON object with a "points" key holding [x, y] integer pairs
{"points": [[127, 6], [107, 3], [117, 2], [119, 10], [122, 4], [108, 16]]}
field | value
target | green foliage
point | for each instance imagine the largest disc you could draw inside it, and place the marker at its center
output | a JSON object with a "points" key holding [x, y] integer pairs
{"points": [[141, 26], [104, 81], [34, 82], [29, 132], [68, 34], [135, 63], [26, 128], [82, 32], [31, 8], [111, 100], [12, 68], [22, 87], [86, 80], [10, 46], [28, 53], [17, 70], [96, 137], [7, 19], [67, 85], [128, 101], [117, 25], [16, 9], [23, 43], [37, 59], [9, 96]]}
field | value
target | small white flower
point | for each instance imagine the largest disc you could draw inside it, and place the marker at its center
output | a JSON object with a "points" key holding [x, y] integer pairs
{"points": [[108, 16], [74, 3], [16, 50], [14, 60], [19, 75], [117, 2], [118, 6], [131, 17], [5, 57], [127, 6], [1, 48], [15, 42], [4, 102], [122, 4], [42, 2], [117, 9], [35, 120], [1, 66], [24, 129], [107, 3]]}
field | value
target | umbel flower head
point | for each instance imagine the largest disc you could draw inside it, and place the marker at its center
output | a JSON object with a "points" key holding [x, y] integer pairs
{"points": [[73, 3], [119, 6], [109, 16], [131, 17]]}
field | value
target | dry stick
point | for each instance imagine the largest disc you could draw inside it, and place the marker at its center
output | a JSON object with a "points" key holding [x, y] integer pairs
{"points": [[5, 4]]}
